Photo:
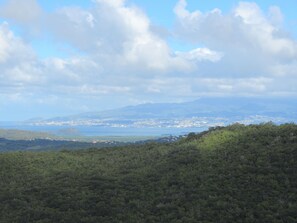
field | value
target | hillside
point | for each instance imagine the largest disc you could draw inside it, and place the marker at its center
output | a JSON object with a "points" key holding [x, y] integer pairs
{"points": [[227, 174], [7, 145], [15, 134]]}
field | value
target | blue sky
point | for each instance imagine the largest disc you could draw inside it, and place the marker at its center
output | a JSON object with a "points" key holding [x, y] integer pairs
{"points": [[66, 57]]}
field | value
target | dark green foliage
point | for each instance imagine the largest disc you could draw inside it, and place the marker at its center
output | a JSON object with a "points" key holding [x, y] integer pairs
{"points": [[7, 145], [232, 174]]}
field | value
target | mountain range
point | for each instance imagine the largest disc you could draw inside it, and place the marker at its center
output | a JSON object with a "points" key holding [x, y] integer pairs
{"points": [[201, 112]]}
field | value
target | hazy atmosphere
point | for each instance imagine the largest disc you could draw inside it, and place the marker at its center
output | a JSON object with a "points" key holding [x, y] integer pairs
{"points": [[146, 111], [67, 57]]}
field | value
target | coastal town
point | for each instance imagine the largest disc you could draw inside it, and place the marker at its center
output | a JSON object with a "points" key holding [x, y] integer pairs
{"points": [[188, 122]]}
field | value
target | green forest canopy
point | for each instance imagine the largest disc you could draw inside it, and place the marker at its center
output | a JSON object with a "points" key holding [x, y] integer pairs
{"points": [[227, 174]]}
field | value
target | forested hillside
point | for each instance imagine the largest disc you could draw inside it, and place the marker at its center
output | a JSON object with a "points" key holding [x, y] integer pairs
{"points": [[227, 174], [7, 145]]}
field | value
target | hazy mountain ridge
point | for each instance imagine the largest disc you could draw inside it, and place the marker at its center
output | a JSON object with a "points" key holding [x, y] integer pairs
{"points": [[204, 112], [202, 107]]}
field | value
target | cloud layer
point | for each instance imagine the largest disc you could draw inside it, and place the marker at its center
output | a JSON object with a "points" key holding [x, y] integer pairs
{"points": [[119, 55]]}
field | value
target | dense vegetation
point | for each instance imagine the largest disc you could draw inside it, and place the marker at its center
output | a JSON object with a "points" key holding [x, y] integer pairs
{"points": [[231, 174], [7, 145]]}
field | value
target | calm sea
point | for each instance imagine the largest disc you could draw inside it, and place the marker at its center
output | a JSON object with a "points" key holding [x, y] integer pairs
{"points": [[102, 131]]}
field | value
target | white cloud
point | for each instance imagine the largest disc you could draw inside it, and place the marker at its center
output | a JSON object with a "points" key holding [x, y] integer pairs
{"points": [[114, 32], [21, 11], [275, 16], [264, 34], [4, 43], [113, 3], [201, 54], [12, 48], [121, 58], [17, 61], [245, 36]]}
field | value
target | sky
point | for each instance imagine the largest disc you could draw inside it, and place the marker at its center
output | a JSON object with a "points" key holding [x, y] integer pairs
{"points": [[66, 57]]}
